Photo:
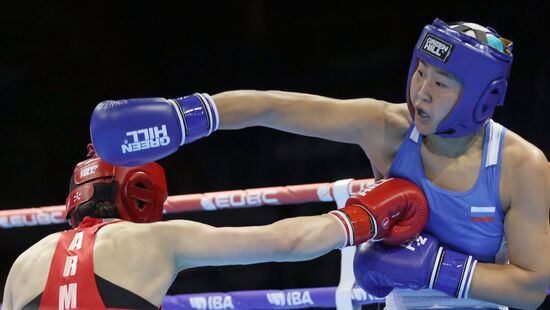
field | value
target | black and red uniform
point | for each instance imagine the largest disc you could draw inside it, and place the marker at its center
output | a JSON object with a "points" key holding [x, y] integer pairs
{"points": [[72, 283]]}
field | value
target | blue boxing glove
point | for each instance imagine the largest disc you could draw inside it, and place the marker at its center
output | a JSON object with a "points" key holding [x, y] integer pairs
{"points": [[419, 264], [137, 131]]}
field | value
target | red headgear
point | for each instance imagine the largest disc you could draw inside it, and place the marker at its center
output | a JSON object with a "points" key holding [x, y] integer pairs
{"points": [[138, 192]]}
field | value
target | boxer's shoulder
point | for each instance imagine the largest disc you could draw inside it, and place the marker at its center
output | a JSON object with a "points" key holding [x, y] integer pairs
{"points": [[398, 114], [398, 122], [127, 234], [394, 117], [42, 250], [27, 276], [520, 156], [115, 249], [521, 162], [382, 145], [382, 115], [113, 243], [151, 240]]}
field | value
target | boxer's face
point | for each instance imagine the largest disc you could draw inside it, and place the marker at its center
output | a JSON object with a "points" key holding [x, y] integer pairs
{"points": [[433, 93]]}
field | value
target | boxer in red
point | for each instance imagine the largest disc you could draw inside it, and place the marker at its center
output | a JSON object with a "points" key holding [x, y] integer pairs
{"points": [[119, 254]]}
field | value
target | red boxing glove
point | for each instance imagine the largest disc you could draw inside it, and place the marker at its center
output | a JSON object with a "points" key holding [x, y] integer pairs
{"points": [[394, 210]]}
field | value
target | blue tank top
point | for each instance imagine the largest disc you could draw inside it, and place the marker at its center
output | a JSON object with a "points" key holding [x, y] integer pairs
{"points": [[471, 222]]}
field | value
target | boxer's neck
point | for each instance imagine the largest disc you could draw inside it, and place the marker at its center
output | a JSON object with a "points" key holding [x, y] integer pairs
{"points": [[454, 147]]}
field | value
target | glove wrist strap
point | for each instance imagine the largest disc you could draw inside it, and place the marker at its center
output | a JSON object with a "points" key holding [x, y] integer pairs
{"points": [[198, 116], [357, 222], [454, 273]]}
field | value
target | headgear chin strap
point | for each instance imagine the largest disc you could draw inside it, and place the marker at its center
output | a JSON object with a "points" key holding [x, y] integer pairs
{"points": [[138, 192], [482, 70]]}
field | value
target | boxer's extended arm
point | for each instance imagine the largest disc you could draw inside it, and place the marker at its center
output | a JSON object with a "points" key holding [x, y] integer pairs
{"points": [[294, 239], [140, 130], [523, 283], [352, 121], [394, 210]]}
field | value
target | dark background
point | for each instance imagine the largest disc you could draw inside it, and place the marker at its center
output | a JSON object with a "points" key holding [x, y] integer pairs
{"points": [[58, 60]]}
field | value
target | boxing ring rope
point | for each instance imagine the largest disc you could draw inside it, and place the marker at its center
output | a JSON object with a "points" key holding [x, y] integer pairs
{"points": [[256, 197], [346, 296], [318, 297]]}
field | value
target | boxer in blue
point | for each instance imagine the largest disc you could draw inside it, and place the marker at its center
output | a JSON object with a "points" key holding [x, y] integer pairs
{"points": [[486, 186]]}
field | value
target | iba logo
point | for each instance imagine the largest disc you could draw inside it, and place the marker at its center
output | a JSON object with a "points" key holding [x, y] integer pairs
{"points": [[217, 302], [292, 298]]}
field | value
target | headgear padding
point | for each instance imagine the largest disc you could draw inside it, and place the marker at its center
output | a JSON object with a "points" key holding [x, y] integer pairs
{"points": [[463, 49], [138, 192]]}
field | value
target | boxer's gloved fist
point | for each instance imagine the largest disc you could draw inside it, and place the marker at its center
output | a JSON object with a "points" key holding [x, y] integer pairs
{"points": [[137, 131], [394, 210], [421, 263]]}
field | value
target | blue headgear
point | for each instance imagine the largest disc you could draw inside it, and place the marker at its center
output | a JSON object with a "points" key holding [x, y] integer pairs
{"points": [[482, 69]]}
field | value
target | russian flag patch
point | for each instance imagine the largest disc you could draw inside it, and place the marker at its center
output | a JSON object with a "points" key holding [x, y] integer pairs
{"points": [[482, 214]]}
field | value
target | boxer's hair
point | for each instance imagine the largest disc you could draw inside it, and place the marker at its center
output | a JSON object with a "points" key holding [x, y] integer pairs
{"points": [[95, 209]]}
